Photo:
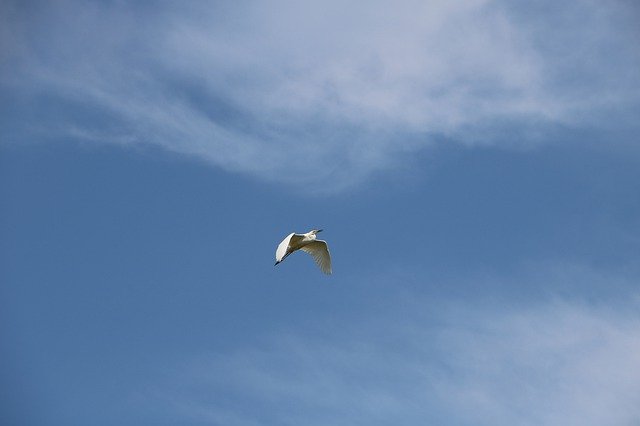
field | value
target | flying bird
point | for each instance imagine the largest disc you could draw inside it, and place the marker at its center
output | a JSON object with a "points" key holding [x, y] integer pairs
{"points": [[309, 244]]}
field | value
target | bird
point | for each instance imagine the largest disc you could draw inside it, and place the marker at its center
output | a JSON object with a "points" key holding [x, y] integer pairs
{"points": [[309, 244]]}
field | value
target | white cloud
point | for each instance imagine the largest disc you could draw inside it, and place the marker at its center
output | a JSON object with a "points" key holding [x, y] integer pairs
{"points": [[556, 365], [344, 90], [435, 359], [552, 364]]}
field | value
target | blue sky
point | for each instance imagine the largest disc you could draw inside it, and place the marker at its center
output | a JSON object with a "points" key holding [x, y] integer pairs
{"points": [[475, 166]]}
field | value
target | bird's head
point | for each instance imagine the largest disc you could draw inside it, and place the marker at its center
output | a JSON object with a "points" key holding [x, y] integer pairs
{"points": [[315, 231]]}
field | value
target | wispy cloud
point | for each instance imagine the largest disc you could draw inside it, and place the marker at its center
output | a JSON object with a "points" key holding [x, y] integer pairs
{"points": [[265, 87], [556, 362]]}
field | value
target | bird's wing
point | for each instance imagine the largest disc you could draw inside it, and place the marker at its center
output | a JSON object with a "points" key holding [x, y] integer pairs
{"points": [[320, 252], [290, 240], [282, 247]]}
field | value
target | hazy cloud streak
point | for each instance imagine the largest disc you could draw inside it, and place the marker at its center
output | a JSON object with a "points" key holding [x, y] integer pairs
{"points": [[555, 363], [252, 87]]}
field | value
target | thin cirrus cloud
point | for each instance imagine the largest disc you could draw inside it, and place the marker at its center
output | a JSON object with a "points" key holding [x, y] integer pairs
{"points": [[553, 363], [351, 90]]}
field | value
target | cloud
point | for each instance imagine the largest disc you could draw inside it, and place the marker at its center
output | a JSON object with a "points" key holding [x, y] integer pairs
{"points": [[429, 360], [318, 93], [561, 363]]}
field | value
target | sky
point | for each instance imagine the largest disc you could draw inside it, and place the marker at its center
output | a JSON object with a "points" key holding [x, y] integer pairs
{"points": [[475, 166]]}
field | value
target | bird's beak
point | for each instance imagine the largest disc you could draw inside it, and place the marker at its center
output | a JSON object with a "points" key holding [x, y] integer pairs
{"points": [[319, 230]]}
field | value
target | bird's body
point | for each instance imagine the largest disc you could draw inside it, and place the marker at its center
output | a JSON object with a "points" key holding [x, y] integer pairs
{"points": [[308, 243]]}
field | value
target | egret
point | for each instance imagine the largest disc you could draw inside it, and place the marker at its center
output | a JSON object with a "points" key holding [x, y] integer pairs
{"points": [[309, 244]]}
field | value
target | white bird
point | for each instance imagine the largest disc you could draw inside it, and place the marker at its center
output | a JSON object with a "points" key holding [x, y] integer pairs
{"points": [[309, 244]]}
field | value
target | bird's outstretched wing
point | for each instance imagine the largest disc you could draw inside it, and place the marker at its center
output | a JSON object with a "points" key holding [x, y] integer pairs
{"points": [[283, 248], [320, 252]]}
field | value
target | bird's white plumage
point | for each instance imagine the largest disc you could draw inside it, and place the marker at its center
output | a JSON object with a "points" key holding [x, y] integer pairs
{"points": [[308, 243], [320, 252], [288, 245], [281, 251]]}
